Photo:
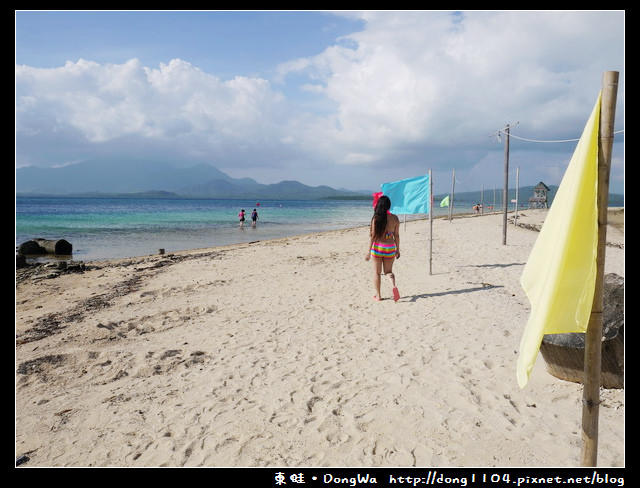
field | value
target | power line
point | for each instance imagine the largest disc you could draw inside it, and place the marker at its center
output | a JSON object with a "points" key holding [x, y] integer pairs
{"points": [[535, 140]]}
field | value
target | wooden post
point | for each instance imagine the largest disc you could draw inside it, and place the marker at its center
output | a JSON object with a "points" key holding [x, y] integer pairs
{"points": [[453, 186], [430, 220], [593, 337], [515, 215]]}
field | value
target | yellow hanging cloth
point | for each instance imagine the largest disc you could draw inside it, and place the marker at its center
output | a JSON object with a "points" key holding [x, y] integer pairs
{"points": [[560, 274]]}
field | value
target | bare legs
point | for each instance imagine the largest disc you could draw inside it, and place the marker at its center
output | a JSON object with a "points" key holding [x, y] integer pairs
{"points": [[392, 278], [377, 266], [383, 266]]}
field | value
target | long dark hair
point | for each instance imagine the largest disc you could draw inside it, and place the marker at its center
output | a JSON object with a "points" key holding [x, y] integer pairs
{"points": [[379, 220]]}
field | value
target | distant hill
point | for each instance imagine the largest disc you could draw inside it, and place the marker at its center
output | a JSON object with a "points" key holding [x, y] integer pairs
{"points": [[109, 177], [104, 176]]}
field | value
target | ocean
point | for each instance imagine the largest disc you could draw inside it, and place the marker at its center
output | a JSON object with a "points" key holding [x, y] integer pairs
{"points": [[102, 229]]}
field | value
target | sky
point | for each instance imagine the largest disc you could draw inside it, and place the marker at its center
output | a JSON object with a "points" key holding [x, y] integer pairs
{"points": [[348, 99]]}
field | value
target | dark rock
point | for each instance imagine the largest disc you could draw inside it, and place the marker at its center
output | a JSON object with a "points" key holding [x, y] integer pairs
{"points": [[45, 246], [564, 353], [21, 460], [30, 247]]}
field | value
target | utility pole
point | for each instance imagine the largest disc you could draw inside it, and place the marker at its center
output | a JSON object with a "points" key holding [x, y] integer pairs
{"points": [[505, 193]]}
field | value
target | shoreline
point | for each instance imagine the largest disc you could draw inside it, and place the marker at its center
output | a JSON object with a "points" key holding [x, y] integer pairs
{"points": [[143, 240], [615, 221], [274, 354]]}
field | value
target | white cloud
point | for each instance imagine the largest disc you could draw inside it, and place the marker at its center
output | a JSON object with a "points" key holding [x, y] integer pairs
{"points": [[412, 90]]}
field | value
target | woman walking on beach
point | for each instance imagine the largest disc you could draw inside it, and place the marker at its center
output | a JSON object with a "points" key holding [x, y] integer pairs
{"points": [[384, 245]]}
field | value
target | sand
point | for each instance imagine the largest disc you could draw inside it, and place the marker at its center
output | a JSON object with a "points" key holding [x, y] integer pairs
{"points": [[274, 354]]}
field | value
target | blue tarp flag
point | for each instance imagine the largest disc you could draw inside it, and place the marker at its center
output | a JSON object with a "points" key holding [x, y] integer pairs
{"points": [[410, 196]]}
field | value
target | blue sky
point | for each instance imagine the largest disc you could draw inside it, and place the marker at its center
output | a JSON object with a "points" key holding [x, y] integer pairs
{"points": [[349, 99]]}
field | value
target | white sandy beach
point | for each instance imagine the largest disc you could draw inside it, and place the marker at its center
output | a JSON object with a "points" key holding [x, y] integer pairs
{"points": [[275, 354]]}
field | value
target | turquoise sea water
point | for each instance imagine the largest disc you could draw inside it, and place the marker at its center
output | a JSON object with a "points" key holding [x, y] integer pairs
{"points": [[111, 228]]}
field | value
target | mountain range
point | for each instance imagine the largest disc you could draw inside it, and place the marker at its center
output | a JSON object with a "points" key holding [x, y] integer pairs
{"points": [[118, 177]]}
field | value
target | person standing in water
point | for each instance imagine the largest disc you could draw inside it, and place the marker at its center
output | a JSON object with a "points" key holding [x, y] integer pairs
{"points": [[254, 217], [384, 245], [241, 217]]}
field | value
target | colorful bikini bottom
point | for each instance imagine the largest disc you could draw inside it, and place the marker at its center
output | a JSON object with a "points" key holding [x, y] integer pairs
{"points": [[383, 250]]}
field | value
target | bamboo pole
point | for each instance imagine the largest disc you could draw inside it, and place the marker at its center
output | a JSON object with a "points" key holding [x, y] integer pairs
{"points": [[593, 337]]}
